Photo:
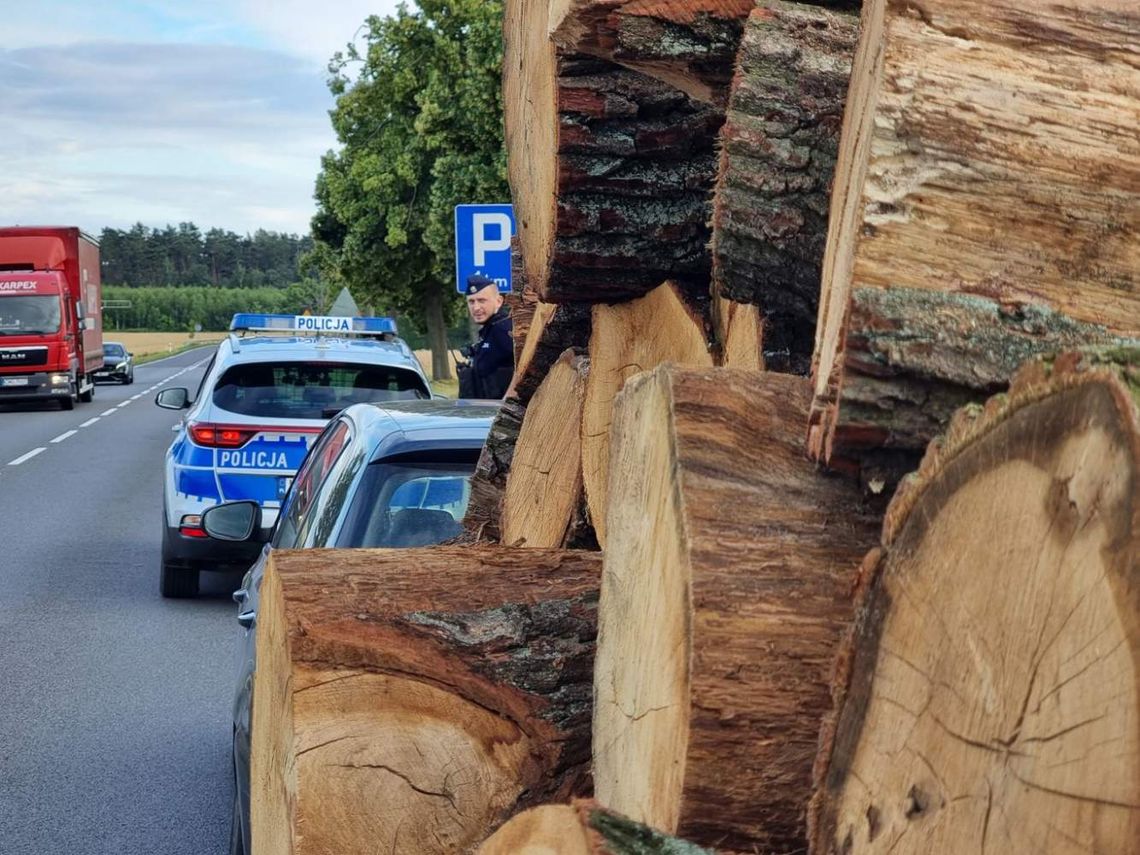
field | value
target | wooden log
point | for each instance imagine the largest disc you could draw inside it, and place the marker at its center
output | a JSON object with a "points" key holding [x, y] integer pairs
{"points": [[691, 44], [412, 700], [625, 339], [553, 329], [1006, 172], [987, 699], [544, 487], [729, 564], [778, 149], [610, 170], [581, 828]]}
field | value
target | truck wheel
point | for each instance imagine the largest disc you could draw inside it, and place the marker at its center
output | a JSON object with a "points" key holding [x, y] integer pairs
{"points": [[178, 582], [89, 395]]}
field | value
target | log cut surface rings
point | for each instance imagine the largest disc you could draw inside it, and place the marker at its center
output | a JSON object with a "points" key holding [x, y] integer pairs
{"points": [[990, 697]]}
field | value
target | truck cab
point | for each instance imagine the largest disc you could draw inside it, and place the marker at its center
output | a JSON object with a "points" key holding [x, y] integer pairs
{"points": [[51, 337]]}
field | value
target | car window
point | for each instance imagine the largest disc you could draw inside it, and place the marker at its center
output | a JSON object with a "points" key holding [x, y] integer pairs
{"points": [[205, 376], [407, 504], [295, 514], [303, 390], [330, 498], [114, 350]]}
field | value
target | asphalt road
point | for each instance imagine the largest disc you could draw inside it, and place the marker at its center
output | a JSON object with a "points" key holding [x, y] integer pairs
{"points": [[114, 703]]}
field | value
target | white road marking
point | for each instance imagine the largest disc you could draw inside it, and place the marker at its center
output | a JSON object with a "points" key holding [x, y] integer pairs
{"points": [[90, 422], [107, 412], [64, 436], [25, 457], [136, 397], [120, 406]]}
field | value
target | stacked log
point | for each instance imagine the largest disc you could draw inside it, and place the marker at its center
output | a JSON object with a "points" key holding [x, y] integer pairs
{"points": [[987, 694], [984, 211], [412, 700], [778, 150], [727, 582], [582, 828]]}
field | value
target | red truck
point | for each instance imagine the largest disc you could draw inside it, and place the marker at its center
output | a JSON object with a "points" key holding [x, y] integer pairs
{"points": [[51, 314]]}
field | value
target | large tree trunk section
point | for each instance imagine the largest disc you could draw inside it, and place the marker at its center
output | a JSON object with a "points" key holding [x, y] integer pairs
{"points": [[583, 828], [729, 564], [690, 44], [544, 487], [610, 170], [912, 357], [1005, 170], [988, 698], [412, 700], [779, 145], [627, 338]]}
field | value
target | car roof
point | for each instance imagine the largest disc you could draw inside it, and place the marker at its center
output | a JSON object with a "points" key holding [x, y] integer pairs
{"points": [[262, 348], [390, 428]]}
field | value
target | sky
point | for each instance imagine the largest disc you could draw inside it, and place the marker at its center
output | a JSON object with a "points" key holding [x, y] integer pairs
{"points": [[206, 111]]}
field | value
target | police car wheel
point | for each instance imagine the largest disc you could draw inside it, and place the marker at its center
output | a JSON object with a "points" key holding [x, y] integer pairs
{"points": [[178, 582]]}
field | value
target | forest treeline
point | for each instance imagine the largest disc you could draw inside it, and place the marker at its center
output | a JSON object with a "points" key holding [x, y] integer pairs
{"points": [[184, 255]]}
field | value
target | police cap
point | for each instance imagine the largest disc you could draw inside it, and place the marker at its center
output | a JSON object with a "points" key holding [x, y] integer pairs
{"points": [[476, 282]]}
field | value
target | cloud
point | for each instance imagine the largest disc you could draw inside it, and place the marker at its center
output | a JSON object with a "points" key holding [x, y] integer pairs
{"points": [[217, 134], [312, 30]]}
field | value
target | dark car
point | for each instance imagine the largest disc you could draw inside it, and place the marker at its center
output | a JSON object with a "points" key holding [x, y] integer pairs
{"points": [[392, 474], [118, 364]]}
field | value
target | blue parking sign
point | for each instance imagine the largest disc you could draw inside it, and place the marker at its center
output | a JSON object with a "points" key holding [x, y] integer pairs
{"points": [[483, 244]]}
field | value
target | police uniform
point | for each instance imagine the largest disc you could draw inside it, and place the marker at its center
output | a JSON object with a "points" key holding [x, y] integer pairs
{"points": [[492, 356]]}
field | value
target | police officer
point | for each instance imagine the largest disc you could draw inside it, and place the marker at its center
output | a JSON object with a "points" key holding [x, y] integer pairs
{"points": [[492, 356]]}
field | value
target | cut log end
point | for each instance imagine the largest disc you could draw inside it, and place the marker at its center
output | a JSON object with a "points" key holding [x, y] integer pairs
{"points": [[989, 697]]}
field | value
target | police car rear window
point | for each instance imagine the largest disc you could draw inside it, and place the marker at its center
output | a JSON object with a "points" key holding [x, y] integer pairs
{"points": [[297, 390]]}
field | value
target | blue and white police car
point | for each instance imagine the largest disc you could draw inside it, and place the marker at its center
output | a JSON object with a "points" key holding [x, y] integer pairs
{"points": [[269, 389]]}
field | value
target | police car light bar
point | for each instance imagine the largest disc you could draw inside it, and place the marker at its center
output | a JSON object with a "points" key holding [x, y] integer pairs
{"points": [[256, 322]]}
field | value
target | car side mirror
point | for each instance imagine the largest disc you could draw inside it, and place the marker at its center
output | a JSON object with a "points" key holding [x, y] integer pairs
{"points": [[234, 521], [130, 354], [173, 399]]}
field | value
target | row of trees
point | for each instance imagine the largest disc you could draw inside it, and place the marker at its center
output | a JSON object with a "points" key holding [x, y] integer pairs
{"points": [[419, 118], [165, 309], [184, 255]]}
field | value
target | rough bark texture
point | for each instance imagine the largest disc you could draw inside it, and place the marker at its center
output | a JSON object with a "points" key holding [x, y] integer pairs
{"points": [[726, 588], [988, 698], [483, 519], [989, 149], [610, 170], [555, 329], [625, 339], [582, 828], [412, 700], [778, 151], [544, 488], [690, 44], [913, 357]]}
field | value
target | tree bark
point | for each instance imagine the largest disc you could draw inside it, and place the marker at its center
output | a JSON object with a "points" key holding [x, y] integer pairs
{"points": [[987, 698], [412, 700], [581, 828], [779, 145], [555, 329], [729, 563], [625, 339], [544, 487], [437, 332], [913, 357], [610, 170], [691, 45], [483, 519], [1005, 172]]}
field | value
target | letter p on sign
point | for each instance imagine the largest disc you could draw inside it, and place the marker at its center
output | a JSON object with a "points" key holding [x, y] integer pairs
{"points": [[486, 225]]}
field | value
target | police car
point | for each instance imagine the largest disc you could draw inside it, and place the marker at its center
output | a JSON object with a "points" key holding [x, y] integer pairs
{"points": [[270, 388]]}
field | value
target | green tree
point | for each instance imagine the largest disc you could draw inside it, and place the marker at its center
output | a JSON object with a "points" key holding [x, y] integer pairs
{"points": [[419, 119]]}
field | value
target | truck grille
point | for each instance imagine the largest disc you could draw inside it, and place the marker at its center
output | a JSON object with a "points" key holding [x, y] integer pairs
{"points": [[23, 356]]}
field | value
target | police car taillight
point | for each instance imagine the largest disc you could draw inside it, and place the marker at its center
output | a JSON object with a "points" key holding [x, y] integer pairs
{"points": [[220, 436]]}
